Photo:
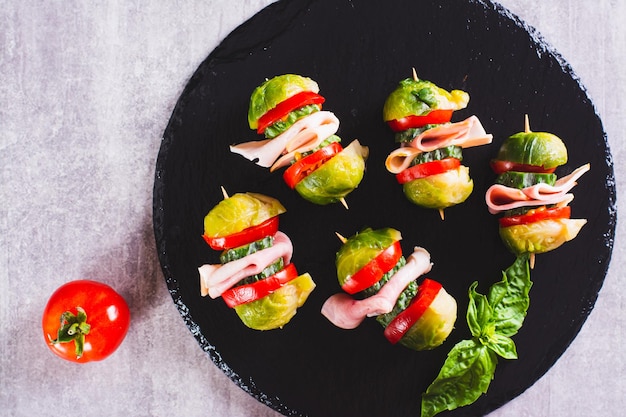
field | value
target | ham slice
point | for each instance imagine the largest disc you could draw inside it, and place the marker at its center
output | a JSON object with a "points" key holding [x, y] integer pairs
{"points": [[347, 313], [215, 279], [500, 198], [467, 133], [304, 135]]}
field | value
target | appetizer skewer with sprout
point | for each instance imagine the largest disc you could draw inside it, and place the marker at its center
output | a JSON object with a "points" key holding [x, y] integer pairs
{"points": [[534, 204], [299, 135], [255, 276], [380, 282], [428, 161]]}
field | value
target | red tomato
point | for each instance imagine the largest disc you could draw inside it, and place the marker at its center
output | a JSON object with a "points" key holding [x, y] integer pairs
{"points": [[374, 270], [250, 292], [283, 108], [427, 169], [303, 167], [500, 167], [426, 293], [435, 117], [97, 316], [268, 228], [535, 215]]}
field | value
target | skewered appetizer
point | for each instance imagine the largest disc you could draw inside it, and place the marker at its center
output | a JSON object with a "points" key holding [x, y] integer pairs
{"points": [[534, 204], [428, 160], [287, 110], [371, 267], [255, 276]]}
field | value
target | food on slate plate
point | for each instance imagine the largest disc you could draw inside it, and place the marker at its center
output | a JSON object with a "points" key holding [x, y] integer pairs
{"points": [[493, 320], [255, 276], [533, 202], [88, 313], [299, 135], [371, 267], [428, 160]]}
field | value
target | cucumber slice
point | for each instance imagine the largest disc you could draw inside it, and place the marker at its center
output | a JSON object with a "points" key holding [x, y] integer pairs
{"points": [[515, 179]]}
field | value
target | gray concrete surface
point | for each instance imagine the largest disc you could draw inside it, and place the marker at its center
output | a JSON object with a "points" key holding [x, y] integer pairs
{"points": [[86, 89]]}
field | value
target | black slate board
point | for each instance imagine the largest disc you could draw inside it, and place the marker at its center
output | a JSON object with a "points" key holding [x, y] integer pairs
{"points": [[357, 51]]}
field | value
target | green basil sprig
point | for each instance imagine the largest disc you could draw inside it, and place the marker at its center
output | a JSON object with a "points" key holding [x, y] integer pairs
{"points": [[492, 319]]}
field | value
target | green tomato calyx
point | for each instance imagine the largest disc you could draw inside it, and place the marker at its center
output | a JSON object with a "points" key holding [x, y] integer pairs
{"points": [[73, 327]]}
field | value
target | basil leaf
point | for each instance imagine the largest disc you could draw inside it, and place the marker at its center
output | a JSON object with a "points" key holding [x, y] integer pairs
{"points": [[510, 299], [503, 346], [465, 376], [479, 312]]}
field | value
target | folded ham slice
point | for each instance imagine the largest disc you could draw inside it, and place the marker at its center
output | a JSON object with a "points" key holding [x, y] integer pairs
{"points": [[215, 279], [304, 135], [467, 133], [500, 198], [347, 313]]}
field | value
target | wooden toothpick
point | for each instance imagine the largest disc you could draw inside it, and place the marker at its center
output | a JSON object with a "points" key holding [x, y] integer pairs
{"points": [[441, 214], [343, 239], [224, 193], [415, 75], [526, 124], [345, 204]]}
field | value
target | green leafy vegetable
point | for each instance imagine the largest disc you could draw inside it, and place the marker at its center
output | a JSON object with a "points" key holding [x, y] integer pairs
{"points": [[492, 319]]}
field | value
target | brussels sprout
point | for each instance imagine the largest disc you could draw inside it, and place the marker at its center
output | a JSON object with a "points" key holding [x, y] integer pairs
{"points": [[441, 190], [240, 211], [362, 248], [541, 236], [434, 326], [534, 148], [276, 309], [275, 90], [418, 97], [335, 179]]}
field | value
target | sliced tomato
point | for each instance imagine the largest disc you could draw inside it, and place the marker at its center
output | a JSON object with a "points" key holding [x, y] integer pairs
{"points": [[243, 294], [535, 215], [426, 293], [435, 117], [304, 166], [500, 167], [427, 169], [282, 109], [374, 270], [268, 228]]}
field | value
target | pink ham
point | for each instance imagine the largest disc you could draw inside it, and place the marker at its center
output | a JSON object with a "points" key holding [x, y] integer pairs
{"points": [[302, 136], [500, 198], [347, 313], [467, 133], [215, 279]]}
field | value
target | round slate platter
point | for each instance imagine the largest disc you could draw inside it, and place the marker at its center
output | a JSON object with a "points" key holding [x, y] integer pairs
{"points": [[357, 51]]}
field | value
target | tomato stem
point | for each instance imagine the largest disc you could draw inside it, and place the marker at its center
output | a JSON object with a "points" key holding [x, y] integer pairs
{"points": [[73, 327]]}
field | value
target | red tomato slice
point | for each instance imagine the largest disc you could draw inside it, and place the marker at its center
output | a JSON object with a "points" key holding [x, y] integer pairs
{"points": [[283, 108], [535, 215], [374, 270], [435, 117], [304, 166], [268, 228], [500, 167], [85, 321], [427, 169], [243, 294], [426, 293]]}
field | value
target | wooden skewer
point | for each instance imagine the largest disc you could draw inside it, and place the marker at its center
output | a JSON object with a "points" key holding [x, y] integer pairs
{"points": [[526, 124], [345, 204], [343, 239], [224, 193]]}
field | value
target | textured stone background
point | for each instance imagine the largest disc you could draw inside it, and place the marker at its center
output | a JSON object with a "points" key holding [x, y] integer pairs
{"points": [[86, 89]]}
